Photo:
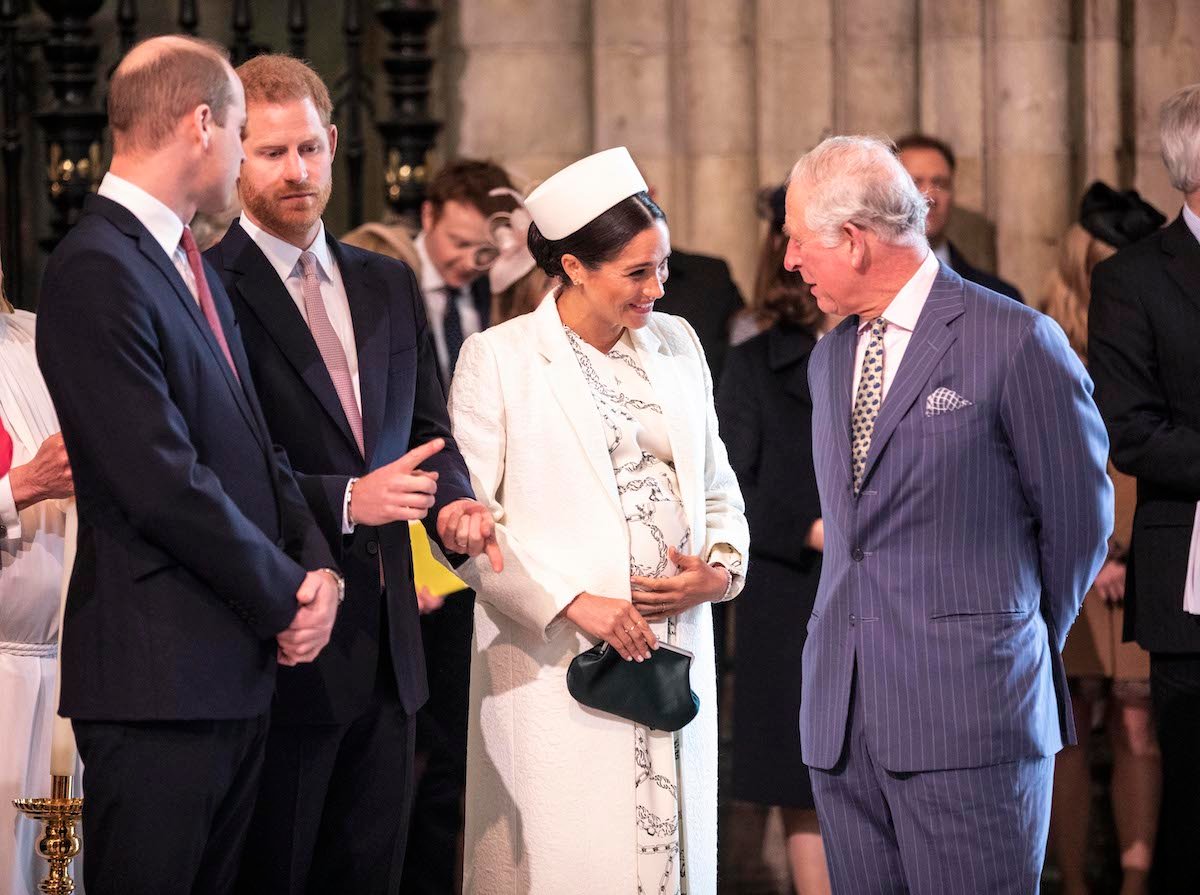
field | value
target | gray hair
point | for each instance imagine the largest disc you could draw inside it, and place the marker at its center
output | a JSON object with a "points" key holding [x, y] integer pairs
{"points": [[1179, 133], [859, 180]]}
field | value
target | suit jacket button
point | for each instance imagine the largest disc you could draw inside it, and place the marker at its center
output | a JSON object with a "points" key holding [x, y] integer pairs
{"points": [[372, 547], [853, 618], [857, 554]]}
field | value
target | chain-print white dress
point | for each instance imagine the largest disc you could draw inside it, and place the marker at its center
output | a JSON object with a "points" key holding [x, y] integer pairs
{"points": [[640, 447]]}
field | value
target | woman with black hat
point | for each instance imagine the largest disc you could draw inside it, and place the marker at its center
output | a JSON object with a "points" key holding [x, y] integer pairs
{"points": [[589, 430], [1099, 665]]}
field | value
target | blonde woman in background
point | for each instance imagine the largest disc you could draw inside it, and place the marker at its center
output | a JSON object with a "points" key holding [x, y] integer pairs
{"points": [[1100, 667]]}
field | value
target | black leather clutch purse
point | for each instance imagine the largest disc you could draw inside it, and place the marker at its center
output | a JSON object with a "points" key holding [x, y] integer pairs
{"points": [[656, 693]]}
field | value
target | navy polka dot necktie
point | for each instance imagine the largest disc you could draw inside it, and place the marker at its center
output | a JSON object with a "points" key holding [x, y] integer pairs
{"points": [[867, 402]]}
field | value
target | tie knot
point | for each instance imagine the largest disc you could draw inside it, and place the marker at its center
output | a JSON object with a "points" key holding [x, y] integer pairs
{"points": [[878, 327], [308, 265]]}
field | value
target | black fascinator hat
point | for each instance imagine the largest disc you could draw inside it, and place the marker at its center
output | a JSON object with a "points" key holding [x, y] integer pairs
{"points": [[1117, 218]]}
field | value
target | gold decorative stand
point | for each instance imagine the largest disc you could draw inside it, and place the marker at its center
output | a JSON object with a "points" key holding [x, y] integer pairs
{"points": [[59, 844]]}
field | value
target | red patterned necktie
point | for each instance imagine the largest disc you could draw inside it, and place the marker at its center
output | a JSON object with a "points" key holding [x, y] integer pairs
{"points": [[204, 295], [329, 344]]}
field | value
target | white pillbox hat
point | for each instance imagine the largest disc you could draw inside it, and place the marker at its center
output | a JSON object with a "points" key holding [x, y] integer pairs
{"points": [[581, 192]]}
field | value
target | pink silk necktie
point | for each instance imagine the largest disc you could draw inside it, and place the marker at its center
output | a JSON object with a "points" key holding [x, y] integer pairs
{"points": [[329, 344], [204, 295]]}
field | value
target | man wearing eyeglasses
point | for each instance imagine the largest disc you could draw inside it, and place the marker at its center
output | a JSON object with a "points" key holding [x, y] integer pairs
{"points": [[931, 163], [453, 252]]}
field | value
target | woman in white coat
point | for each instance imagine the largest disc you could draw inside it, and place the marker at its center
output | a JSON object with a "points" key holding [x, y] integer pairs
{"points": [[589, 430]]}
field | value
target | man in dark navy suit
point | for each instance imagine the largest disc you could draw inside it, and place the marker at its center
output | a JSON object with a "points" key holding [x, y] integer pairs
{"points": [[199, 564], [341, 351], [931, 163]]}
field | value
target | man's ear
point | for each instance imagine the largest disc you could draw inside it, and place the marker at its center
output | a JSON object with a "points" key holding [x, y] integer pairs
{"points": [[332, 141], [429, 216], [200, 123], [856, 240]]}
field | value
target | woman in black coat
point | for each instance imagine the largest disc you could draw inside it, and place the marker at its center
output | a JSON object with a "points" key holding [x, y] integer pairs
{"points": [[765, 416]]}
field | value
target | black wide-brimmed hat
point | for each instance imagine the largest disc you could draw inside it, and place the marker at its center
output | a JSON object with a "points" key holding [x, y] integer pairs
{"points": [[1117, 218]]}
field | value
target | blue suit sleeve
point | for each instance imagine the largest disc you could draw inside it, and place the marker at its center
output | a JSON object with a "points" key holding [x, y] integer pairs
{"points": [[1060, 447]]}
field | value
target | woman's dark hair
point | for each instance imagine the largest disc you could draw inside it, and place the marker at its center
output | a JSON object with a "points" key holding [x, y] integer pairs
{"points": [[599, 240], [782, 296]]}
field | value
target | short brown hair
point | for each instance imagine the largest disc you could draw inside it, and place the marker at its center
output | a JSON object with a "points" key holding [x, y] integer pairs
{"points": [[470, 181], [924, 141], [278, 78], [154, 87]]}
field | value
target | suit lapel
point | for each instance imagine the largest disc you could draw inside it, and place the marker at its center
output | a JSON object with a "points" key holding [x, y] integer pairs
{"points": [[154, 253], [264, 293], [664, 375], [372, 339], [1184, 266], [841, 380], [571, 392], [930, 341]]}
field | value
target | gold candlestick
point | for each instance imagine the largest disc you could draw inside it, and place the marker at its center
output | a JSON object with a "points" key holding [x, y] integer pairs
{"points": [[58, 844]]}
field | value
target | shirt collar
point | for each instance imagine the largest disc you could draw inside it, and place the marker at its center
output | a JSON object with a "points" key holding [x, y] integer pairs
{"points": [[164, 224], [905, 309], [431, 280], [1192, 220], [284, 256]]}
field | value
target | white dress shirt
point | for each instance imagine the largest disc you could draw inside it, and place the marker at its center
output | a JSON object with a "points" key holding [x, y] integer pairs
{"points": [[1192, 220], [901, 315], [433, 289], [164, 224], [285, 258]]}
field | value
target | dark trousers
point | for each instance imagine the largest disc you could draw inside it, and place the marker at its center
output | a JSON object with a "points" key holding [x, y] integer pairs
{"points": [[333, 807], [168, 803], [969, 830], [432, 865], [1175, 691]]}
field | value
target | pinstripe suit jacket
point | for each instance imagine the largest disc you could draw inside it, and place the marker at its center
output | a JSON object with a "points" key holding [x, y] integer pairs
{"points": [[953, 577]]}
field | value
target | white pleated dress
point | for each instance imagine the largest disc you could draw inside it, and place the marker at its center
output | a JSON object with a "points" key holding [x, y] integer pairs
{"points": [[640, 447], [31, 569]]}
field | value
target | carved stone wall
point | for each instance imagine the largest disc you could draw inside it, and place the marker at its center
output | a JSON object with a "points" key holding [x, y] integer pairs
{"points": [[717, 97]]}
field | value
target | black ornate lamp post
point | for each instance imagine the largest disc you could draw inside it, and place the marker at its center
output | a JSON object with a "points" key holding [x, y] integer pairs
{"points": [[73, 123], [410, 132], [10, 141]]}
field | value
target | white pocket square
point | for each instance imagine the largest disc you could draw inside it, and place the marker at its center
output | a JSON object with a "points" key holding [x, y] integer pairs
{"points": [[944, 400]]}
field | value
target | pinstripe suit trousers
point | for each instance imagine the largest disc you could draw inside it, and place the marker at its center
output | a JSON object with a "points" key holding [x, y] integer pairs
{"points": [[968, 831]]}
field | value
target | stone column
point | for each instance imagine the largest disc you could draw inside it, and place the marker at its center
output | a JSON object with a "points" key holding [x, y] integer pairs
{"points": [[713, 201], [523, 89], [952, 78], [1029, 163], [1103, 117], [1164, 59], [795, 70], [632, 85], [875, 66], [952, 90]]}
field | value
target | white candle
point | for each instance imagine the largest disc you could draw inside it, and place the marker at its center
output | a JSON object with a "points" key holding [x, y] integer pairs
{"points": [[62, 743]]}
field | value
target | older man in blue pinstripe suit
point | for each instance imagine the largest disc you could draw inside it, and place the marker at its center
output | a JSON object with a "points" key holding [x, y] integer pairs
{"points": [[961, 465]]}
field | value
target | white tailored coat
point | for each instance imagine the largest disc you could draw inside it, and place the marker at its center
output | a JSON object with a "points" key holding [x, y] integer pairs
{"points": [[550, 783]]}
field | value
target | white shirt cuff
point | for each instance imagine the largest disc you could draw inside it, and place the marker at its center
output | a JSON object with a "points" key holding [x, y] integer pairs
{"points": [[347, 525], [10, 519], [730, 559]]}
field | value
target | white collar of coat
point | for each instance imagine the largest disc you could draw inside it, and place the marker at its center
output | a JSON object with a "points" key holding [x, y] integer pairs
{"points": [[553, 341]]}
